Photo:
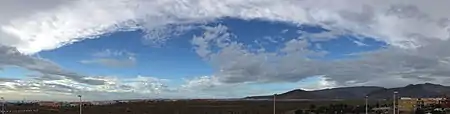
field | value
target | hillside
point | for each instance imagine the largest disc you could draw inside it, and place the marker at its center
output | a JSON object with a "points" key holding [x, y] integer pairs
{"points": [[417, 90], [359, 92]]}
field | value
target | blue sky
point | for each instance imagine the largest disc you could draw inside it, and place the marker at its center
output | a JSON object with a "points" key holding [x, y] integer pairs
{"points": [[202, 49], [177, 60]]}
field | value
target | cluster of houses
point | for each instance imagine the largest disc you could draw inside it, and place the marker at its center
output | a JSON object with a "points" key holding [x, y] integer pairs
{"points": [[86, 103], [408, 104], [69, 104]]}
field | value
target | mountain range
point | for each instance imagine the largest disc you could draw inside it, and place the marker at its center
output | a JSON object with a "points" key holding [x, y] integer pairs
{"points": [[359, 92]]}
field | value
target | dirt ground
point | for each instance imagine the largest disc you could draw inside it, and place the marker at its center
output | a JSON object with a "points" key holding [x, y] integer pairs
{"points": [[186, 107]]}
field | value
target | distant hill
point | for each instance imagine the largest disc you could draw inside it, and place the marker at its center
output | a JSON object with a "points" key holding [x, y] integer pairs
{"points": [[347, 92], [294, 94], [417, 90], [359, 92]]}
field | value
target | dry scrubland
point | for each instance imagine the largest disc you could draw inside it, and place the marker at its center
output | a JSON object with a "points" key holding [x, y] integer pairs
{"points": [[190, 107]]}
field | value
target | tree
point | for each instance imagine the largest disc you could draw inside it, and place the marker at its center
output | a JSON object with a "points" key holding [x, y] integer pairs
{"points": [[312, 107], [299, 111]]}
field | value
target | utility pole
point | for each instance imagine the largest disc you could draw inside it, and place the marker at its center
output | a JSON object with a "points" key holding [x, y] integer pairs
{"points": [[398, 102], [3, 105], [394, 104], [81, 104], [366, 103], [274, 103]]}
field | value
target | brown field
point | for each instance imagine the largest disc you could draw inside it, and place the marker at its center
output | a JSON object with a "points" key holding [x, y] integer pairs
{"points": [[190, 107]]}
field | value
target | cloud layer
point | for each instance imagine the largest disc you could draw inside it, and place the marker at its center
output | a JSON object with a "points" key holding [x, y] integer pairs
{"points": [[234, 62], [403, 23], [11, 57], [416, 32]]}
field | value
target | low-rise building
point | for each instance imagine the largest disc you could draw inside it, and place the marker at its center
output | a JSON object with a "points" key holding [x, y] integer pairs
{"points": [[49, 104], [103, 102], [409, 104]]}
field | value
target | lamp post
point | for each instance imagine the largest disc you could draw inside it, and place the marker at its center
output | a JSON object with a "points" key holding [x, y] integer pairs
{"points": [[394, 104], [398, 102], [274, 103], [81, 104], [366, 103], [3, 105]]}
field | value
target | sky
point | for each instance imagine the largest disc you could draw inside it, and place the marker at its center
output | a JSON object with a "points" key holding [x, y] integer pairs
{"points": [[135, 49]]}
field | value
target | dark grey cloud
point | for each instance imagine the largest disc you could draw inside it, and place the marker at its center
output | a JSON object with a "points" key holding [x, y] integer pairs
{"points": [[9, 56], [59, 88], [8, 79], [43, 77]]}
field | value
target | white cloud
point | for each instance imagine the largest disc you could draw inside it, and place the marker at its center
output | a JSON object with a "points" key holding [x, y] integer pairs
{"points": [[66, 23], [403, 23], [359, 43], [320, 83]]}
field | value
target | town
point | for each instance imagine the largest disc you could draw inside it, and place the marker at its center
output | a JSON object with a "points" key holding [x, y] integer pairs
{"points": [[403, 105]]}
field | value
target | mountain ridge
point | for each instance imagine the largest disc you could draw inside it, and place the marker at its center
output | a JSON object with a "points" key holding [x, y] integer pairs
{"points": [[359, 92]]}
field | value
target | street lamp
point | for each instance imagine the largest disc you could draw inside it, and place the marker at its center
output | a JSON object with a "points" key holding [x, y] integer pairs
{"points": [[398, 102], [394, 104], [274, 105], [3, 105], [366, 103], [80, 104]]}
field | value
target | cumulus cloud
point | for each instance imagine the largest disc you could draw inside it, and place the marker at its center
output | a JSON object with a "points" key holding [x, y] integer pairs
{"points": [[402, 23], [235, 63], [212, 87], [112, 58]]}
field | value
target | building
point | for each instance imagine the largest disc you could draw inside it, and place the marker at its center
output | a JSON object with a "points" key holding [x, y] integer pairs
{"points": [[382, 110], [297, 111], [103, 102], [410, 104], [49, 104], [407, 104]]}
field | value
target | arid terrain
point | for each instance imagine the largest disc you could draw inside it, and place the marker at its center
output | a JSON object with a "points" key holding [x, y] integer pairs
{"points": [[189, 107]]}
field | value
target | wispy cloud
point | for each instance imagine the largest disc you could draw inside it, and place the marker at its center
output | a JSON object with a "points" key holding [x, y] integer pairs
{"points": [[109, 62], [112, 58], [9, 56], [112, 53]]}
